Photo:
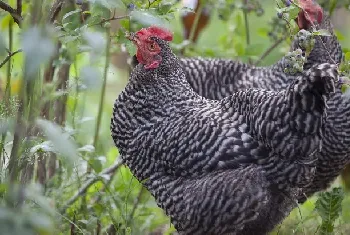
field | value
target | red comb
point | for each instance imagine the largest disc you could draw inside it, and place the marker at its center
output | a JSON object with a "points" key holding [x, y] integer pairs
{"points": [[154, 31], [311, 12]]}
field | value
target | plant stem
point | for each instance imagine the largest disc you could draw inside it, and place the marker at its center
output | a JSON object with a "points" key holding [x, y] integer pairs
{"points": [[134, 207], [108, 171], [195, 25], [246, 24], [18, 135], [15, 13], [7, 90], [9, 65], [196, 21], [103, 91], [8, 57], [76, 95]]}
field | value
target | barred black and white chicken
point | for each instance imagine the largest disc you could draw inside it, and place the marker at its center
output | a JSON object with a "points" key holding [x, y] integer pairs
{"points": [[219, 78], [218, 167], [216, 79]]}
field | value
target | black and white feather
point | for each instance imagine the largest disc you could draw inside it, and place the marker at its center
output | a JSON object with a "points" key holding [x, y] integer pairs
{"points": [[218, 166]]}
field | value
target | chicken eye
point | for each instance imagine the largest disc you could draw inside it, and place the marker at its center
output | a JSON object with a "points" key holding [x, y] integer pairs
{"points": [[152, 47]]}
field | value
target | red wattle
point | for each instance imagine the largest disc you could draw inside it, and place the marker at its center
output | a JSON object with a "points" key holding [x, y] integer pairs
{"points": [[140, 58], [153, 65]]}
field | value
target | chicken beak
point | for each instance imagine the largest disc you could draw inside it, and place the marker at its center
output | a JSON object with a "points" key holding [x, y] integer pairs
{"points": [[132, 37]]}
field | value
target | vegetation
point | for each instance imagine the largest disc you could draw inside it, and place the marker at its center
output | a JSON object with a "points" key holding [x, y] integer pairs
{"points": [[62, 64]]}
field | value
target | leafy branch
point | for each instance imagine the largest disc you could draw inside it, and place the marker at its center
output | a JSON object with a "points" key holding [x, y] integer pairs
{"points": [[15, 13], [113, 17], [8, 57], [81, 192], [329, 207]]}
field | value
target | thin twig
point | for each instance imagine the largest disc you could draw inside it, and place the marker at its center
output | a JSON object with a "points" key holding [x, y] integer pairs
{"points": [[151, 3], [246, 23], [108, 182], [195, 22], [135, 205], [55, 10], [103, 91], [269, 50], [90, 182], [17, 136], [8, 57], [13, 12], [7, 7], [194, 27], [110, 19]]}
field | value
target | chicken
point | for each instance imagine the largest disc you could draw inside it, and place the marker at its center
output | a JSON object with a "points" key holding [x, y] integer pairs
{"points": [[242, 150], [217, 78]]}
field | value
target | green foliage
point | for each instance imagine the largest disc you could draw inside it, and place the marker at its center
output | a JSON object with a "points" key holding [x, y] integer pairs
{"points": [[329, 207], [25, 211], [50, 133], [294, 62]]}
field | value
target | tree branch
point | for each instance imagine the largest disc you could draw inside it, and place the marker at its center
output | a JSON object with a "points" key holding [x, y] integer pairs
{"points": [[19, 7], [7, 7], [8, 57], [110, 19], [108, 171], [55, 10], [15, 13]]}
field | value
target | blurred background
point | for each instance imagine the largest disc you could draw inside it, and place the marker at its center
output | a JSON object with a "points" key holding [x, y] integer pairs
{"points": [[64, 62]]}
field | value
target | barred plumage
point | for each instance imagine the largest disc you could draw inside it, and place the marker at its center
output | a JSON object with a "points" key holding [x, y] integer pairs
{"points": [[215, 79], [219, 78], [215, 167]]}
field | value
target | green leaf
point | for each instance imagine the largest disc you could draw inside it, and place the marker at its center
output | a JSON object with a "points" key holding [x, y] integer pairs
{"points": [[146, 19], [91, 77], [347, 56], [339, 35], [239, 48], [332, 6], [293, 12], [110, 3], [263, 32], [2, 46], [71, 13], [45, 146], [41, 224], [95, 40], [87, 148], [61, 141], [253, 49], [125, 23], [130, 47], [165, 8], [321, 32], [34, 192], [96, 164], [329, 207], [41, 50]]}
